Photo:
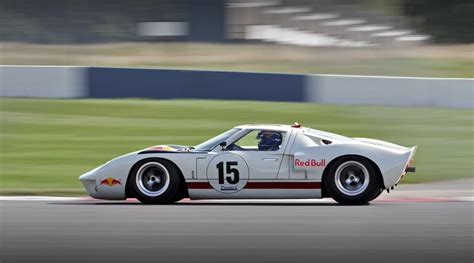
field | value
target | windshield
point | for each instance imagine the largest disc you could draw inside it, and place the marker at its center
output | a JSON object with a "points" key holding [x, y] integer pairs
{"points": [[213, 142]]}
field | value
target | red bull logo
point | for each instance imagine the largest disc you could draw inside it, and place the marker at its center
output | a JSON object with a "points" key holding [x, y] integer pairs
{"points": [[310, 162], [110, 181]]}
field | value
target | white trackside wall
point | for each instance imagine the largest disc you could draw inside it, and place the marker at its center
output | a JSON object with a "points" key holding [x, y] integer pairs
{"points": [[102, 82], [383, 90]]}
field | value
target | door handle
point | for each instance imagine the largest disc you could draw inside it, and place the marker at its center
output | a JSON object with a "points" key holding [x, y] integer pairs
{"points": [[270, 159]]}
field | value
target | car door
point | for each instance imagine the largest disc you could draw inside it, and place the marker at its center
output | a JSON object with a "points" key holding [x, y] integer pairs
{"points": [[263, 161]]}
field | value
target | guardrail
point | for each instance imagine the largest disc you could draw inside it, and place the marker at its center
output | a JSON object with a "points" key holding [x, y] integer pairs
{"points": [[105, 82]]}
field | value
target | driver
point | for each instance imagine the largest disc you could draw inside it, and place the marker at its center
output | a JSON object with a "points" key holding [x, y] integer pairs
{"points": [[269, 140]]}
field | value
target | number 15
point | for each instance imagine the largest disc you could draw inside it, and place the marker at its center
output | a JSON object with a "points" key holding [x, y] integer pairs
{"points": [[229, 170]]}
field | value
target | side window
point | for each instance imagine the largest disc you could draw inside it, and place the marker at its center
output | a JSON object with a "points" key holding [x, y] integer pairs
{"points": [[259, 140]]}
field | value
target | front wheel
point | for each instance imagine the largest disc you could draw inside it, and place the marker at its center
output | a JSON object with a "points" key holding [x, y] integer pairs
{"points": [[352, 181], [154, 181]]}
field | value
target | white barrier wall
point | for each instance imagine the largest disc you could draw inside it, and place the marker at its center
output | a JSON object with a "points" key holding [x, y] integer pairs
{"points": [[84, 82], [402, 91], [43, 81]]}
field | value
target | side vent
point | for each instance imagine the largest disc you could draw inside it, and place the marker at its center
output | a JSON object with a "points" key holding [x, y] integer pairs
{"points": [[326, 142]]}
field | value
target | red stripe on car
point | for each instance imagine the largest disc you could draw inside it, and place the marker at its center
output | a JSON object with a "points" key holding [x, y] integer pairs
{"points": [[199, 185]]}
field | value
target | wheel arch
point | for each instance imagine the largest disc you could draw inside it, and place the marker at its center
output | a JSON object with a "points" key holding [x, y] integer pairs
{"points": [[183, 188], [331, 163]]}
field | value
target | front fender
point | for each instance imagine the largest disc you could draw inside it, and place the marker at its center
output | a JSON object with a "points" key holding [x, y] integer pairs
{"points": [[109, 180]]}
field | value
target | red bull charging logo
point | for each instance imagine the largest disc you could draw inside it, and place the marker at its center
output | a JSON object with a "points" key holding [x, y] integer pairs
{"points": [[110, 181]]}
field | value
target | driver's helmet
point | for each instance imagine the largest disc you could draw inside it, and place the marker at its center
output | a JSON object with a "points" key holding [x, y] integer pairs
{"points": [[269, 140]]}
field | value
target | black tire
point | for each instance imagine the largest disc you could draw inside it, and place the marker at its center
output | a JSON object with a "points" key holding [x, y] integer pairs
{"points": [[154, 181], [378, 194], [352, 180], [182, 192]]}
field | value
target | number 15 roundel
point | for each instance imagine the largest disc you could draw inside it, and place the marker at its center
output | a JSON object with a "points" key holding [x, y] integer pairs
{"points": [[228, 173]]}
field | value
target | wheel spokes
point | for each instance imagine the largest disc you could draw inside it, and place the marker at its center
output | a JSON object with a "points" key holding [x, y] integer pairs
{"points": [[152, 179]]}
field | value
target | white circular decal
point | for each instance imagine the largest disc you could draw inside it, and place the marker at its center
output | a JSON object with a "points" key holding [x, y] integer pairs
{"points": [[227, 173]]}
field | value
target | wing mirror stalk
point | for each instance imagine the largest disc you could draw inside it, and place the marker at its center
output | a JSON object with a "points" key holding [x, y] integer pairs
{"points": [[223, 145]]}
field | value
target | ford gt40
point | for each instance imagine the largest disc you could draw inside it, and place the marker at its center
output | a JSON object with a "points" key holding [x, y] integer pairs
{"points": [[256, 161]]}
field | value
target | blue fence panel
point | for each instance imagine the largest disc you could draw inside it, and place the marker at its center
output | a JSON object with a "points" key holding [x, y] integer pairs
{"points": [[169, 83]]}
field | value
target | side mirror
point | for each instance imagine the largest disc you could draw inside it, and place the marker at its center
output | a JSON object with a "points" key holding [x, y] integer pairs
{"points": [[223, 145]]}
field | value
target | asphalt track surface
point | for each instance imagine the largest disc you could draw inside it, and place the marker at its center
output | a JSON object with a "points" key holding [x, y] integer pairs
{"points": [[94, 231]]}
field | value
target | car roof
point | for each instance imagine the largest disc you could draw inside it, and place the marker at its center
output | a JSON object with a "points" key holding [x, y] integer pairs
{"points": [[279, 127]]}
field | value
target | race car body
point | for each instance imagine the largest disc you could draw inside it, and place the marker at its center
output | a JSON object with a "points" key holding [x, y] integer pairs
{"points": [[256, 161]]}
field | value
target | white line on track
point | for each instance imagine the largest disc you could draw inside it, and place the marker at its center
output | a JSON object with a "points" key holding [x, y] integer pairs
{"points": [[42, 198], [465, 198], [250, 201]]}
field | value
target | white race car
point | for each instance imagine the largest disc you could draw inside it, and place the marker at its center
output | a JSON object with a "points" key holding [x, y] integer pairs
{"points": [[256, 161]]}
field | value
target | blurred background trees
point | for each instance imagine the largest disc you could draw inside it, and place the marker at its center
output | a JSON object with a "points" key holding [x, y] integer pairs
{"points": [[447, 21], [71, 21]]}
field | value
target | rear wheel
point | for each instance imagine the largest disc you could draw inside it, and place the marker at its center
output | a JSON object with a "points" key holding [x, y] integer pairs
{"points": [[154, 181], [352, 181]]}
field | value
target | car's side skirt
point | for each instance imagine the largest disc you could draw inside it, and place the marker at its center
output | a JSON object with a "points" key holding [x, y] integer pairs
{"points": [[258, 189]]}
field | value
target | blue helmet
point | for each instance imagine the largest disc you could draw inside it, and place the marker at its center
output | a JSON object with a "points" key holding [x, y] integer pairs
{"points": [[269, 140]]}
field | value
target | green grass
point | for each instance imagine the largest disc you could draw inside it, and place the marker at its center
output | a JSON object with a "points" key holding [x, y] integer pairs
{"points": [[46, 144]]}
